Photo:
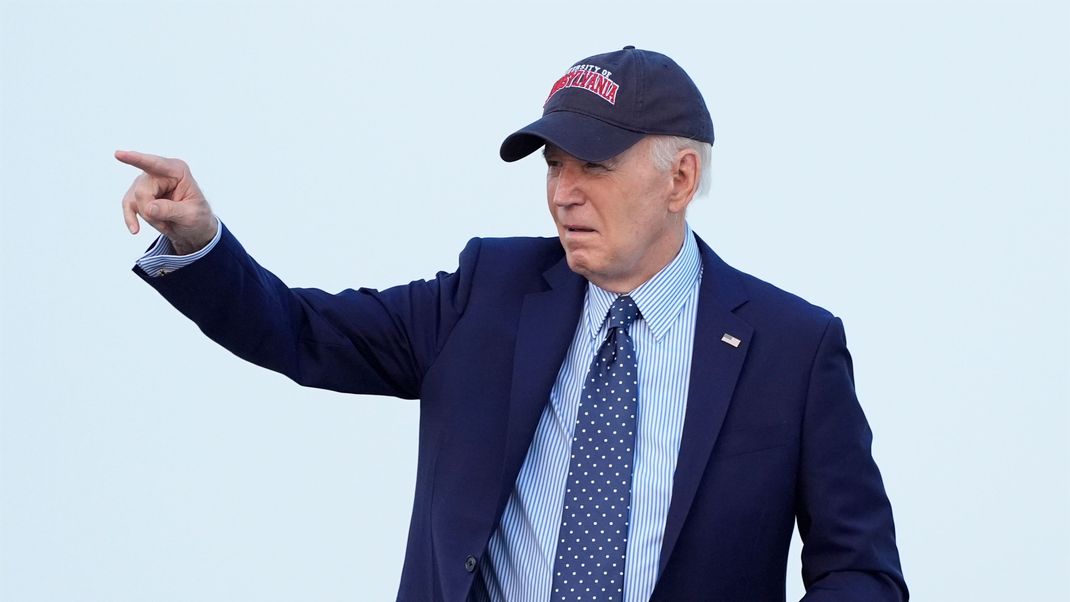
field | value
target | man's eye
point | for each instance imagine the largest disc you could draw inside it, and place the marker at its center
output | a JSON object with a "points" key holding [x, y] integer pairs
{"points": [[596, 166]]}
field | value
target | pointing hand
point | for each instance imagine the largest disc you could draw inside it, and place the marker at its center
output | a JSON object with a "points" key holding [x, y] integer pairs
{"points": [[167, 197]]}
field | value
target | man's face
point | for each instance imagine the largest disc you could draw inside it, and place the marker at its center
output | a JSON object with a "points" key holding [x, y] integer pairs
{"points": [[616, 219]]}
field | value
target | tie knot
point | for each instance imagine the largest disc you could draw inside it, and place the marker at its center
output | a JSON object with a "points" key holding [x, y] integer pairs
{"points": [[623, 312]]}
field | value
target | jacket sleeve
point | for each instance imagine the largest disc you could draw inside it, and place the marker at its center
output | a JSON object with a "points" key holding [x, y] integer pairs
{"points": [[355, 341], [844, 517]]}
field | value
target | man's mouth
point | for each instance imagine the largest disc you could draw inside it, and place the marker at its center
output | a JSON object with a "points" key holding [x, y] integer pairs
{"points": [[578, 229]]}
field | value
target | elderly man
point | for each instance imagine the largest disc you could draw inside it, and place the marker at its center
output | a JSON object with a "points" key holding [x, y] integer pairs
{"points": [[612, 414]]}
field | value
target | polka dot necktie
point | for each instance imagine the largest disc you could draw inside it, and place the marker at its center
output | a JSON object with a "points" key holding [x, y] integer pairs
{"points": [[594, 524]]}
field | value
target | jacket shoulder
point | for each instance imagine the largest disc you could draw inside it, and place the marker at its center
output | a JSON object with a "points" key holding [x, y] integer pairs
{"points": [[520, 249], [771, 298], [516, 258], [765, 306], [754, 298]]}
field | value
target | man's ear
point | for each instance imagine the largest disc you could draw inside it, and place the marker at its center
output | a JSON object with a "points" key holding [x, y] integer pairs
{"points": [[685, 173]]}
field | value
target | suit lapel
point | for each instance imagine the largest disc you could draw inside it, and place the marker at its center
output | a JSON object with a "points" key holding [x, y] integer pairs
{"points": [[547, 324], [715, 368]]}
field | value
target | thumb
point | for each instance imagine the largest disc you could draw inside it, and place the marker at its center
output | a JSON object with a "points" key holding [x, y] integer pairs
{"points": [[164, 210]]}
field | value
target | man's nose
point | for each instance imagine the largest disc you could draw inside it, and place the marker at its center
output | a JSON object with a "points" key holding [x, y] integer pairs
{"points": [[567, 189]]}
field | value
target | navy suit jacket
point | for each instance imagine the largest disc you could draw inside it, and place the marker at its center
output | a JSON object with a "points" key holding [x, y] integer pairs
{"points": [[773, 432]]}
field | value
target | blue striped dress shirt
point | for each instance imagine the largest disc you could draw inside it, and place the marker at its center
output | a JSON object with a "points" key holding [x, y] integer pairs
{"points": [[518, 563]]}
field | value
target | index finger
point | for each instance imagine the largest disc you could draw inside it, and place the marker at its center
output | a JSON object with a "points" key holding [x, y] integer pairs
{"points": [[153, 164]]}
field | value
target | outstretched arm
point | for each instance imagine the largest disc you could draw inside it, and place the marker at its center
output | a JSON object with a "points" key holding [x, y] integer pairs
{"points": [[359, 341]]}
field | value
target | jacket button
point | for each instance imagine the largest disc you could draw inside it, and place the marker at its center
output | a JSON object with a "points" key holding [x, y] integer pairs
{"points": [[470, 564]]}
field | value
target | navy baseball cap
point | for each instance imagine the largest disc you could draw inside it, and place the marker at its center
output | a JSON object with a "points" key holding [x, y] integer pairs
{"points": [[606, 103]]}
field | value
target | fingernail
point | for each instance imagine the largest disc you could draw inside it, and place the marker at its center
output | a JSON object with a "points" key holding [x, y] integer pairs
{"points": [[151, 210]]}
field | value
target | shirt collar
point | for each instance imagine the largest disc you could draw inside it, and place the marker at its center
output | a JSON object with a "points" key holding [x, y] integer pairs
{"points": [[660, 298]]}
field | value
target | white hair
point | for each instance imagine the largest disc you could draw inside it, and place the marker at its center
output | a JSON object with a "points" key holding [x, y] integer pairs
{"points": [[663, 151]]}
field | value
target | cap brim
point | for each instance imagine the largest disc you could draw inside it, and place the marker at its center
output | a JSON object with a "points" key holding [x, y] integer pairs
{"points": [[579, 135]]}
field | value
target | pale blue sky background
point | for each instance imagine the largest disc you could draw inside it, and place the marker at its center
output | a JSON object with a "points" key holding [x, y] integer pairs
{"points": [[903, 164]]}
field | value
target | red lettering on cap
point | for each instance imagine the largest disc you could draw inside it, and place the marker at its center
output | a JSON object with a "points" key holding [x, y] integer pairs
{"points": [[584, 79]]}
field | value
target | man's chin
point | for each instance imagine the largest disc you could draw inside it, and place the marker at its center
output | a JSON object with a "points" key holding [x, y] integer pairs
{"points": [[583, 263], [577, 262]]}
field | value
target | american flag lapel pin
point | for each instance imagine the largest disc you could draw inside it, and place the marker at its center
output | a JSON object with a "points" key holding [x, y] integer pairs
{"points": [[731, 340]]}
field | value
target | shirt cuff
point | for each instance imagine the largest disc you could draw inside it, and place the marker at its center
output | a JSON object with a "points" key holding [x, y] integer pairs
{"points": [[160, 259]]}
